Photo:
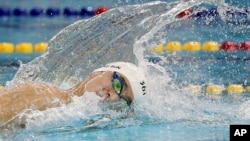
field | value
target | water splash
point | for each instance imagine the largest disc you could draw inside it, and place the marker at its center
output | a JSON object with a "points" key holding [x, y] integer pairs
{"points": [[87, 44]]}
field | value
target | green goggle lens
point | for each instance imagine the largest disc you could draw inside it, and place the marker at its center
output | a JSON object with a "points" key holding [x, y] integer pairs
{"points": [[117, 83], [117, 86]]}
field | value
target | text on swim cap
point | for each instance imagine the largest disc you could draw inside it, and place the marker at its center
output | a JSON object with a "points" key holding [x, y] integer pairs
{"points": [[143, 87], [113, 66]]}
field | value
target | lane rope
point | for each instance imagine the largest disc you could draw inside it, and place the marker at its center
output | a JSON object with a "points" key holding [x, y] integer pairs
{"points": [[209, 46], [23, 47], [201, 13], [52, 11], [216, 89]]}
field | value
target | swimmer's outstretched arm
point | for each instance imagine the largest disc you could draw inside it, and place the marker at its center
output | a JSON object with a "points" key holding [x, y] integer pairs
{"points": [[41, 96], [30, 95], [34, 95]]}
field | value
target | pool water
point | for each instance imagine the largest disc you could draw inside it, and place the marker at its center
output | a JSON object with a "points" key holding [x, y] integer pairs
{"points": [[170, 111]]}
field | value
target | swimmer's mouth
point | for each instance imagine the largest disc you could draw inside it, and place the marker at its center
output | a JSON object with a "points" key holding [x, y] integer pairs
{"points": [[98, 94]]}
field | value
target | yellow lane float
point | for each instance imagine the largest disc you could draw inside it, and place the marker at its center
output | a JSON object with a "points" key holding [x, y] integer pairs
{"points": [[214, 89], [192, 46], [41, 47], [6, 47], [211, 46], [174, 46], [235, 88], [24, 47]]}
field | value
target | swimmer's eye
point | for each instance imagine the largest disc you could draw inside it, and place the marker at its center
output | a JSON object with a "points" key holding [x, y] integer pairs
{"points": [[117, 83]]}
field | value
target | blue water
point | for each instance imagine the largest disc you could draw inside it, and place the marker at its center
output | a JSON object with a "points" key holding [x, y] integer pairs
{"points": [[170, 112]]}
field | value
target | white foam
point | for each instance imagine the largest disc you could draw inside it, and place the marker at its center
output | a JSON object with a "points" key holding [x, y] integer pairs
{"points": [[244, 110], [81, 108]]}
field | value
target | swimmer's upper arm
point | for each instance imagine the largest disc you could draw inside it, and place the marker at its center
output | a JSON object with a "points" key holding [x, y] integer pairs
{"points": [[30, 96]]}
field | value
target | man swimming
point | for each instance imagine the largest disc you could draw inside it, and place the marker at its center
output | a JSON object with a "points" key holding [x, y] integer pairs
{"points": [[119, 80]]}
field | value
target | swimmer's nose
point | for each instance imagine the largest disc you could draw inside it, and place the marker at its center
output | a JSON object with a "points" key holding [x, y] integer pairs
{"points": [[112, 95]]}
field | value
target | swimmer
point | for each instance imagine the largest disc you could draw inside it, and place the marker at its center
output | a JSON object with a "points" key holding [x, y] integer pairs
{"points": [[119, 80]]}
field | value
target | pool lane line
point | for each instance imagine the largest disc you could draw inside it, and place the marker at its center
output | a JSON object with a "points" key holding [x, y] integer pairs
{"points": [[51, 11]]}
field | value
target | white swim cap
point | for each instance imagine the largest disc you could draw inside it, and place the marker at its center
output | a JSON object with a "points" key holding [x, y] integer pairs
{"points": [[135, 76]]}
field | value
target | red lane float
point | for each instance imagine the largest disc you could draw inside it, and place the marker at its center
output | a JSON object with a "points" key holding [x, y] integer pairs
{"points": [[100, 10], [186, 13], [245, 45], [229, 46]]}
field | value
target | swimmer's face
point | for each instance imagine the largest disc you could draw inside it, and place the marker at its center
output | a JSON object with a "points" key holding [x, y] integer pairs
{"points": [[101, 84]]}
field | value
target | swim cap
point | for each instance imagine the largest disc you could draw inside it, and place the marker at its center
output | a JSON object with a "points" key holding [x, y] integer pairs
{"points": [[135, 76]]}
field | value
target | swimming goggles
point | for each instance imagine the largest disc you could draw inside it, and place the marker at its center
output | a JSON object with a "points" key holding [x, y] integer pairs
{"points": [[117, 84]]}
